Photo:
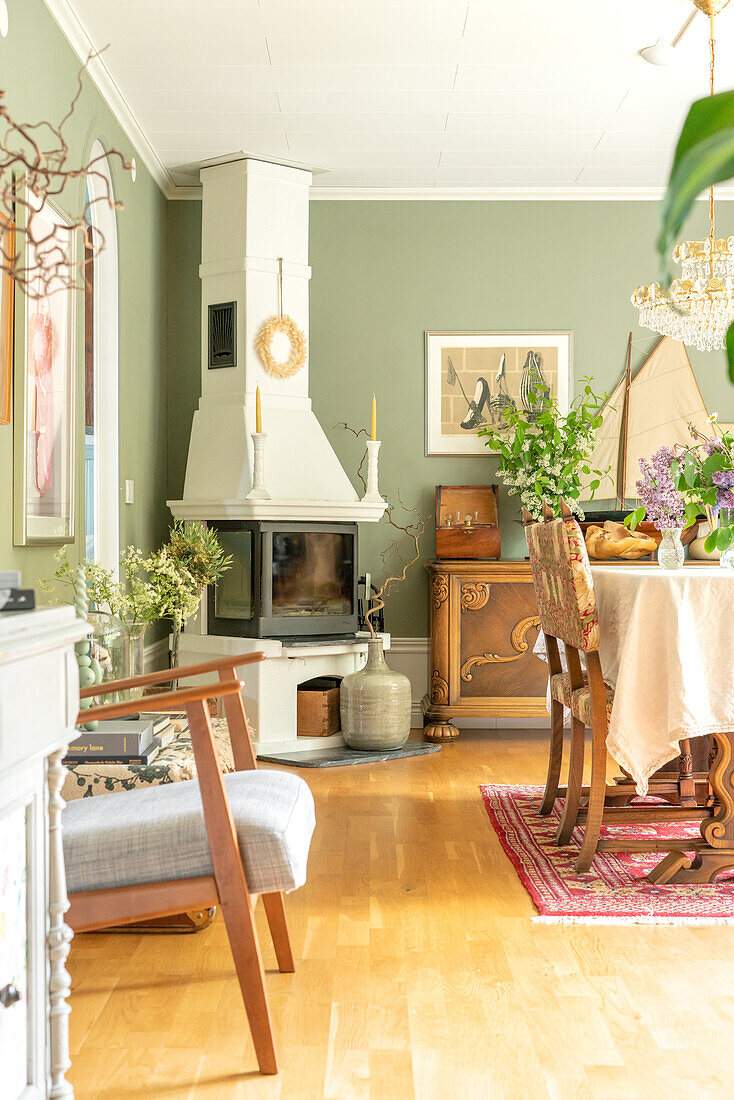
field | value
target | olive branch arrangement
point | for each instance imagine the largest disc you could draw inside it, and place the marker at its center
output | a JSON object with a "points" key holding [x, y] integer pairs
{"points": [[35, 171], [412, 531]]}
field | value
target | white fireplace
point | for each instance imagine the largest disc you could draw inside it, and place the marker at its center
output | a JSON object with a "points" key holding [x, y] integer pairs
{"points": [[255, 225]]}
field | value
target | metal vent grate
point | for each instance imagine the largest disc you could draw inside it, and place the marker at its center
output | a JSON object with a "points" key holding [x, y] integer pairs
{"points": [[222, 335]]}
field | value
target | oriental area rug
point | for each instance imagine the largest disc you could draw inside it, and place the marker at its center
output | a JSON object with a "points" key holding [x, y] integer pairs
{"points": [[615, 890]]}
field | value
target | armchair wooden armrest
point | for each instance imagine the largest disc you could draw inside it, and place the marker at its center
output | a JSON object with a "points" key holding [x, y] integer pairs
{"points": [[167, 700], [164, 676], [229, 687]]}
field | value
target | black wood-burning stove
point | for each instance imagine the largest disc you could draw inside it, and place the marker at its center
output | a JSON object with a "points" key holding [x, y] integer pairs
{"points": [[288, 581]]}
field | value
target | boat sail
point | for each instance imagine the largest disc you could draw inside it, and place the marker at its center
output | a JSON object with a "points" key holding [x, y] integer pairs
{"points": [[647, 412]]}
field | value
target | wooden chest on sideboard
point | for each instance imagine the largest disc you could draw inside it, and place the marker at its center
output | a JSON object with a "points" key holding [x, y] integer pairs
{"points": [[484, 624]]}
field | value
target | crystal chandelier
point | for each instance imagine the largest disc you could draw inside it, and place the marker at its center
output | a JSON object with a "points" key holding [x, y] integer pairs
{"points": [[698, 308]]}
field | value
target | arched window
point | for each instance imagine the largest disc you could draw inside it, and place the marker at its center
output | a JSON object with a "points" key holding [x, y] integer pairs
{"points": [[102, 463]]}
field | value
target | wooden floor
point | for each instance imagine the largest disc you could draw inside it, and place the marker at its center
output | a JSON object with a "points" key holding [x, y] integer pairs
{"points": [[420, 974]]}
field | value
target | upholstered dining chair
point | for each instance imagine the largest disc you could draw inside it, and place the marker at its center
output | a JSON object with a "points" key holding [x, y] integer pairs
{"points": [[564, 589], [216, 840]]}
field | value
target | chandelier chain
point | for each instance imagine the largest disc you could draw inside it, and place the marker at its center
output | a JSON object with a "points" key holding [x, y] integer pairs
{"points": [[698, 306], [712, 68]]}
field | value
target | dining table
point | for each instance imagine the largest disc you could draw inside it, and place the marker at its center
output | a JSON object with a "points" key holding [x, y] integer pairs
{"points": [[667, 648]]}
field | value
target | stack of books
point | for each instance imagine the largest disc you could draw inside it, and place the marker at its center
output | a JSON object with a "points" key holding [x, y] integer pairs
{"points": [[135, 740], [176, 721]]}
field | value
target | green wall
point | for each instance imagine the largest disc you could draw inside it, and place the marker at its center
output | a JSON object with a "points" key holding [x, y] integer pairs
{"points": [[384, 272], [39, 76]]}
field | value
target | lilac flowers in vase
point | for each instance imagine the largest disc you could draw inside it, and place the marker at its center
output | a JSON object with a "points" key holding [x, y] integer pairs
{"points": [[662, 504], [680, 482]]}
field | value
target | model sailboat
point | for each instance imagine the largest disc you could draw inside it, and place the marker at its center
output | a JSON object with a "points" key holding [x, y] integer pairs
{"points": [[647, 412]]}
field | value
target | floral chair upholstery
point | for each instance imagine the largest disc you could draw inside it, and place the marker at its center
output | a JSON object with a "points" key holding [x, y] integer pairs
{"points": [[582, 704], [560, 688], [564, 587]]}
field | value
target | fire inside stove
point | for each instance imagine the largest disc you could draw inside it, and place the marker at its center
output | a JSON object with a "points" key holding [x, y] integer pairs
{"points": [[312, 573]]}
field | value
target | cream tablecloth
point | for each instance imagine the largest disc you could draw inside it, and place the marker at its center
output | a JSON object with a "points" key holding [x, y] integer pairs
{"points": [[667, 649]]}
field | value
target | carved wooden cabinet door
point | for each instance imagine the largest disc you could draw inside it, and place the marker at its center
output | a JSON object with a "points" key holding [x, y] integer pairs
{"points": [[483, 628]]}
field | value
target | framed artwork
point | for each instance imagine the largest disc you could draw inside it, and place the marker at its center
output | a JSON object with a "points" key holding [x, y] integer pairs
{"points": [[7, 244], [472, 376], [43, 441]]}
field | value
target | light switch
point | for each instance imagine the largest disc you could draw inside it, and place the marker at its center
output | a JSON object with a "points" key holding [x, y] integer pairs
{"points": [[129, 492]]}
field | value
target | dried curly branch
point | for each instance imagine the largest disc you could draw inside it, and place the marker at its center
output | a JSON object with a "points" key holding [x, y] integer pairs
{"points": [[35, 171], [414, 532], [357, 432]]}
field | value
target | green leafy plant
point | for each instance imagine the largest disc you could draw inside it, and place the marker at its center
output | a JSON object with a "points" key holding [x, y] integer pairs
{"points": [[546, 459], [704, 156], [132, 600], [140, 602], [165, 585], [192, 558], [103, 591], [197, 549]]}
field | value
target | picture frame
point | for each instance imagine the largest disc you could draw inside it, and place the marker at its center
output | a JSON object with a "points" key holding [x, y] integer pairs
{"points": [[7, 287], [472, 376], [45, 397]]}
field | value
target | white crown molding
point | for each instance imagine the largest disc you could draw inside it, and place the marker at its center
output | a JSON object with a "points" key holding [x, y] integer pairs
{"points": [[78, 38], [475, 194], [188, 193], [495, 194], [71, 26]]}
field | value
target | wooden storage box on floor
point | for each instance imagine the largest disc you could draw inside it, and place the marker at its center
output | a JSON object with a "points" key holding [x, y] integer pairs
{"points": [[318, 707]]}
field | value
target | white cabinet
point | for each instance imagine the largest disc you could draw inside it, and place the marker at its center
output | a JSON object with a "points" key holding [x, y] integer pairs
{"points": [[39, 698]]}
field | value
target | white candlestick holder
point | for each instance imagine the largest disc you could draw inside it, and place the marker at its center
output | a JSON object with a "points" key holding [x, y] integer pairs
{"points": [[258, 490], [372, 496]]}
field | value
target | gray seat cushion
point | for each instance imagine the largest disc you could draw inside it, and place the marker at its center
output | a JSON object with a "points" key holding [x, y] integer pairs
{"points": [[154, 834]]}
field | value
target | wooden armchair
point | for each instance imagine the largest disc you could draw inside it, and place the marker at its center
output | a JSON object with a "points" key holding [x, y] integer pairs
{"points": [[564, 589], [217, 840]]}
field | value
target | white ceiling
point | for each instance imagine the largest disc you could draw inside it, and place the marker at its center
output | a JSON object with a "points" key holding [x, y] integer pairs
{"points": [[438, 94]]}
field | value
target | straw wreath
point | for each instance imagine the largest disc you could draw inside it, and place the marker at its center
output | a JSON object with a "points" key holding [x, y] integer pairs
{"points": [[298, 343]]}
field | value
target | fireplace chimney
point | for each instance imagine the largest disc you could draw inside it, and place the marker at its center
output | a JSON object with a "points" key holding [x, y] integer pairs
{"points": [[255, 214]]}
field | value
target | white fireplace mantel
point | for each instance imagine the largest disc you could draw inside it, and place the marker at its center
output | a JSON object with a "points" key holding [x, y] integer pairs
{"points": [[318, 511]]}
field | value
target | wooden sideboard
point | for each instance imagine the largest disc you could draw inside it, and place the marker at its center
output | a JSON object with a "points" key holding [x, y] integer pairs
{"points": [[484, 623], [39, 701]]}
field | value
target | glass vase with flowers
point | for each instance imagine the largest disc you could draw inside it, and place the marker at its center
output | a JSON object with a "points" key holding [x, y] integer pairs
{"points": [[120, 611], [682, 481], [663, 503]]}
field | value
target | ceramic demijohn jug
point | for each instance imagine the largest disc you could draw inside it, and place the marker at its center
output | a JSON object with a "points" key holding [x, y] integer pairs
{"points": [[375, 704]]}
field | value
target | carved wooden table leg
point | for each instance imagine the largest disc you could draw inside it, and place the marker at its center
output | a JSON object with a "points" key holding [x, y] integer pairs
{"points": [[714, 853], [686, 782]]}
